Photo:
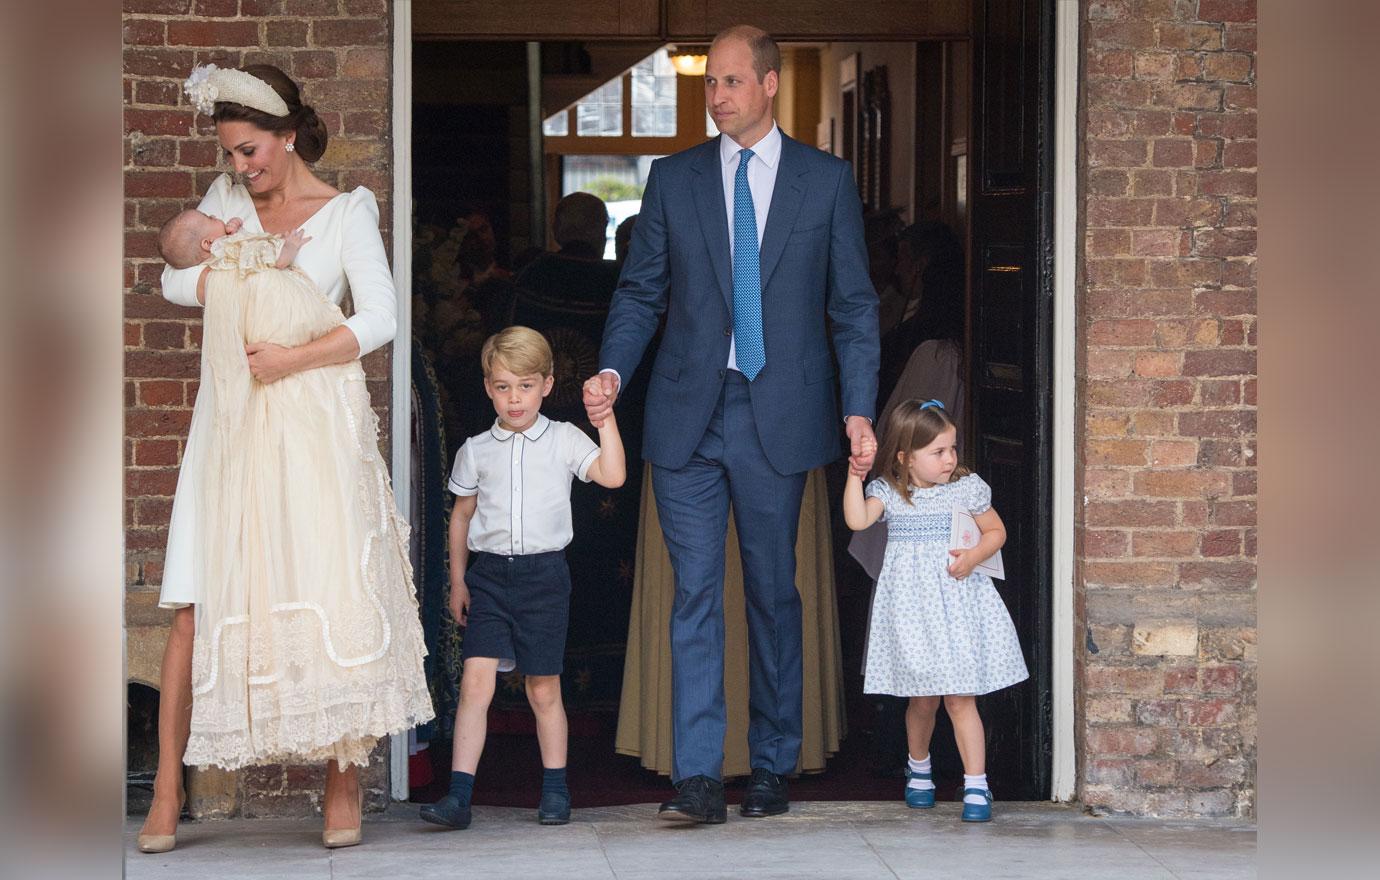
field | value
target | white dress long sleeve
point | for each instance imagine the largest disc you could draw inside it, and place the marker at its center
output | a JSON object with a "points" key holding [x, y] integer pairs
{"points": [[345, 255]]}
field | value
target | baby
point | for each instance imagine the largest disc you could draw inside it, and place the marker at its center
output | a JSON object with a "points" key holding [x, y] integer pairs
{"points": [[189, 239]]}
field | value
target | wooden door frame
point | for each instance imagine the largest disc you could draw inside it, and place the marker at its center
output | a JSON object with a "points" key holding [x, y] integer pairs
{"points": [[1063, 443]]}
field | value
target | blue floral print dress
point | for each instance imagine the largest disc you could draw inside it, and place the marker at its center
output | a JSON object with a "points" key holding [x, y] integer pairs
{"points": [[928, 633]]}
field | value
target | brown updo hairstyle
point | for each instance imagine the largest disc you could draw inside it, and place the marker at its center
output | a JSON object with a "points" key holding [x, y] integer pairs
{"points": [[302, 119], [911, 426]]}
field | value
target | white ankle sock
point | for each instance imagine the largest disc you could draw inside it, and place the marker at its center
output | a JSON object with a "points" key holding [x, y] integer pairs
{"points": [[919, 767], [975, 782]]}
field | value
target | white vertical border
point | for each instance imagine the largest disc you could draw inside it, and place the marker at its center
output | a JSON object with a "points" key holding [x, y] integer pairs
{"points": [[1064, 772], [1064, 776], [401, 406]]}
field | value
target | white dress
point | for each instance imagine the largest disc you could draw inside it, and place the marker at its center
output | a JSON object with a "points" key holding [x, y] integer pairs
{"points": [[308, 640], [345, 255], [928, 633]]}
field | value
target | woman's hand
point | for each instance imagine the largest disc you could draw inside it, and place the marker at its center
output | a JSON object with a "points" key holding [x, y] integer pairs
{"points": [[269, 362]]}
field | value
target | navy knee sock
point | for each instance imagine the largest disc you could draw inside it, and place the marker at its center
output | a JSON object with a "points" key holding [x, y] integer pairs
{"points": [[462, 786], [553, 780]]}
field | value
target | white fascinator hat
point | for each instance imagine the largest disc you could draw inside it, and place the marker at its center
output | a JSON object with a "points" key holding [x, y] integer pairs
{"points": [[209, 84]]}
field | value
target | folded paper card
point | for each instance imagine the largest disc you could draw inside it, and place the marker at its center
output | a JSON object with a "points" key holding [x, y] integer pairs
{"points": [[964, 533]]}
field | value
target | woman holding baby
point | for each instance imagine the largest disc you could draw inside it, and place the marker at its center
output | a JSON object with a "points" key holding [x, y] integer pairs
{"points": [[295, 634]]}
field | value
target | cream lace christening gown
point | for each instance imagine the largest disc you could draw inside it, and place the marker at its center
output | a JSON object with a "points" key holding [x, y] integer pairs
{"points": [[308, 642]]}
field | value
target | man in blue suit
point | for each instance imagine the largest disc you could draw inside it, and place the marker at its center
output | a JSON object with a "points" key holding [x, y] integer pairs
{"points": [[752, 246]]}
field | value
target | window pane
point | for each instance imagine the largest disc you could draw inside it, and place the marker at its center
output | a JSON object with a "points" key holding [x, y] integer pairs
{"points": [[654, 96], [600, 114], [557, 125], [618, 180]]}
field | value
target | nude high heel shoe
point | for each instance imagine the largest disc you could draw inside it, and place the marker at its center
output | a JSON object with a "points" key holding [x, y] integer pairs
{"points": [[161, 843], [334, 838]]}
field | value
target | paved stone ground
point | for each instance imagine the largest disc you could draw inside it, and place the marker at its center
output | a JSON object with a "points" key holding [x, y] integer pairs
{"points": [[834, 840]]}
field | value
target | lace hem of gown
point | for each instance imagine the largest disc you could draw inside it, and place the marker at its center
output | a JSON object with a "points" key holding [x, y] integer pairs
{"points": [[345, 732], [308, 644]]}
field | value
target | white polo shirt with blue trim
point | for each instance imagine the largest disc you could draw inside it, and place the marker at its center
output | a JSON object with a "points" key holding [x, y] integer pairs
{"points": [[523, 483]]}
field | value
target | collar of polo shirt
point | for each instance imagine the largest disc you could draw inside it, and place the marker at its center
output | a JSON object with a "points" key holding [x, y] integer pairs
{"points": [[532, 433]]}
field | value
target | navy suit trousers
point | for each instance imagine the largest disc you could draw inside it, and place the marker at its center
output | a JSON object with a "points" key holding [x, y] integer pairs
{"points": [[730, 466]]}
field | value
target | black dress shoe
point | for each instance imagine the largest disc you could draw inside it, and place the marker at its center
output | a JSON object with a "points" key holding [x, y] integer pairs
{"points": [[554, 808], [766, 795], [699, 799], [448, 812]]}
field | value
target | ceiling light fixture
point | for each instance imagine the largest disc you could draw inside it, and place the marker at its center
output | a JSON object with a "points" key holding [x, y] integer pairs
{"points": [[689, 59]]}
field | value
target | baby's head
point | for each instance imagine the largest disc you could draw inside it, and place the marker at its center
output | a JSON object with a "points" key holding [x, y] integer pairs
{"points": [[185, 240], [517, 375], [919, 446]]}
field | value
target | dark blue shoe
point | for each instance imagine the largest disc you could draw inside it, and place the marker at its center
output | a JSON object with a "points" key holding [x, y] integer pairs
{"points": [[919, 798], [448, 812], [977, 812], [554, 808]]}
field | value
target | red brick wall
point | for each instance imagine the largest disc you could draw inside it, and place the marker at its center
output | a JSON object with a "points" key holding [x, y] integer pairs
{"points": [[1167, 386], [340, 51]]}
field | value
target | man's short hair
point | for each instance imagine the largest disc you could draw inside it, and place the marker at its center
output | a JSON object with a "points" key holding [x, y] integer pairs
{"points": [[521, 350], [766, 55], [582, 217]]}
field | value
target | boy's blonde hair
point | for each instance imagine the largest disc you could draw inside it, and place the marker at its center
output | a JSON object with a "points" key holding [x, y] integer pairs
{"points": [[522, 350]]}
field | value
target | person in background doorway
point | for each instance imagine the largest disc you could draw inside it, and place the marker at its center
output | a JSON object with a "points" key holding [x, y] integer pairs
{"points": [[622, 240], [931, 274], [578, 272]]}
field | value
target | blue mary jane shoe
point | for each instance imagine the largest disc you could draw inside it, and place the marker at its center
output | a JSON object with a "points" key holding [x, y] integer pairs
{"points": [[919, 798], [977, 812]]}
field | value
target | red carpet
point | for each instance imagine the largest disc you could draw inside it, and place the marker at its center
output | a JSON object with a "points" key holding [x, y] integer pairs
{"points": [[510, 771]]}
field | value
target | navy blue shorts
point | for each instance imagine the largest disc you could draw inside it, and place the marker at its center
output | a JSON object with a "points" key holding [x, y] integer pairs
{"points": [[519, 611]]}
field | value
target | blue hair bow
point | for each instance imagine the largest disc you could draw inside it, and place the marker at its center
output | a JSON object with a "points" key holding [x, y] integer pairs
{"points": [[929, 403]]}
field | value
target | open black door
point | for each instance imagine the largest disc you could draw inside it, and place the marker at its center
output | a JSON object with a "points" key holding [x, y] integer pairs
{"points": [[1011, 323]]}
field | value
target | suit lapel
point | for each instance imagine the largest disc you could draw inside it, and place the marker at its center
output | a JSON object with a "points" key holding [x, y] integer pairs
{"points": [[786, 198], [709, 205]]}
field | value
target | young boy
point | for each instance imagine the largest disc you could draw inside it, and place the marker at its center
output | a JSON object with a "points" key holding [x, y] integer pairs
{"points": [[511, 521]]}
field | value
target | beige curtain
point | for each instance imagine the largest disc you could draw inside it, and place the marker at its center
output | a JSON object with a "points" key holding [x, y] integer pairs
{"points": [[644, 716]]}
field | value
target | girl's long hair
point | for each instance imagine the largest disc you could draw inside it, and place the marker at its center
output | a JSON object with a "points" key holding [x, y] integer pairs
{"points": [[908, 428]]}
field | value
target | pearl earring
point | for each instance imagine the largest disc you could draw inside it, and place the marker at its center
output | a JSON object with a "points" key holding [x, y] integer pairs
{"points": [[290, 147]]}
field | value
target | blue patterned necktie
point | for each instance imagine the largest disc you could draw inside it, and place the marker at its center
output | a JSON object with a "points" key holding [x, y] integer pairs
{"points": [[749, 351]]}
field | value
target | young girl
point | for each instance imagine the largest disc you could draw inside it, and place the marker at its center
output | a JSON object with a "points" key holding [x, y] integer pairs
{"points": [[937, 628]]}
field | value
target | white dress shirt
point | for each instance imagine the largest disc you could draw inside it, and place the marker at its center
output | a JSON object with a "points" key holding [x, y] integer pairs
{"points": [[761, 173], [523, 483]]}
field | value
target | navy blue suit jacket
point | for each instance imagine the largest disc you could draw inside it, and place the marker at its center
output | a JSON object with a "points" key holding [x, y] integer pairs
{"points": [[814, 283]]}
